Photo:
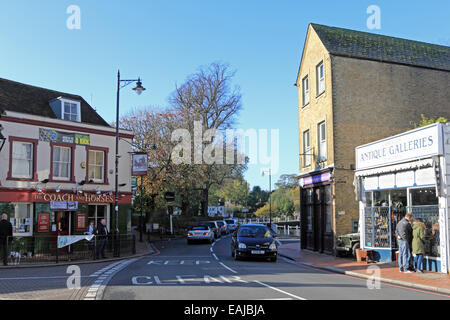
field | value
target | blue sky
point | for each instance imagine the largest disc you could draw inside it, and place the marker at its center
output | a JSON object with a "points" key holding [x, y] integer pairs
{"points": [[164, 41]]}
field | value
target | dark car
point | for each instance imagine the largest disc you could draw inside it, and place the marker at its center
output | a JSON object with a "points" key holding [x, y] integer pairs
{"points": [[254, 240], [347, 244]]}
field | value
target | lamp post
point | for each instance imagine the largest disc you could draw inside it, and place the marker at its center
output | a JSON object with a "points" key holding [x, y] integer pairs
{"points": [[139, 89], [270, 194]]}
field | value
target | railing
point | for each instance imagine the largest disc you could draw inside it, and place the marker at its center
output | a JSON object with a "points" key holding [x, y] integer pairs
{"points": [[43, 249]]}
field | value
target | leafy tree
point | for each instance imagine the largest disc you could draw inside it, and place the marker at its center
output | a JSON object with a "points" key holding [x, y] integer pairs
{"points": [[427, 121]]}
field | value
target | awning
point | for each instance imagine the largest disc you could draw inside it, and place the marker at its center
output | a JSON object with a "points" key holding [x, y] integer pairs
{"points": [[412, 165]]}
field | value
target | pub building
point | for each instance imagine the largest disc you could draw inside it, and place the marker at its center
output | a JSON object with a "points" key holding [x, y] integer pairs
{"points": [[57, 165], [405, 173]]}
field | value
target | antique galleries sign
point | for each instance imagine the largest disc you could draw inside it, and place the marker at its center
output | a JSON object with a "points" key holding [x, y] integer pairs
{"points": [[415, 144]]}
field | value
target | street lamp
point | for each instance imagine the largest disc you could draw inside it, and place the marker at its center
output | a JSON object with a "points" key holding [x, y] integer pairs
{"points": [[139, 89], [270, 193]]}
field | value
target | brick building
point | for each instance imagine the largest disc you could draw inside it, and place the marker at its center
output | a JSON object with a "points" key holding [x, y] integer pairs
{"points": [[353, 88]]}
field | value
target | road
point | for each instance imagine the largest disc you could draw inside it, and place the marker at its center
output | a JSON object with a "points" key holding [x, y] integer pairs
{"points": [[208, 272]]}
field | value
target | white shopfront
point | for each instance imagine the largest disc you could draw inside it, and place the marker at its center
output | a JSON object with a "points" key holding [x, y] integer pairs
{"points": [[408, 172]]}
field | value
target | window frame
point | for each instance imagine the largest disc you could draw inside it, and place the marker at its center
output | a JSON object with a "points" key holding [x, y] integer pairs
{"points": [[30, 216], [320, 140], [319, 79], [305, 92], [78, 105], [34, 143], [71, 178], [307, 150], [105, 165]]}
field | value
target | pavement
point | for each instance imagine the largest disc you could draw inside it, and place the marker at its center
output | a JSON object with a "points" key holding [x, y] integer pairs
{"points": [[142, 248], [388, 272]]}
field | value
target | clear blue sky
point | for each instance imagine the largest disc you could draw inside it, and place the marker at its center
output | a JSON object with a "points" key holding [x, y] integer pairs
{"points": [[164, 41]]}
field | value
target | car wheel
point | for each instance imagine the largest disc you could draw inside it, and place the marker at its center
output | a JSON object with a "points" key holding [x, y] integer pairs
{"points": [[355, 246], [189, 242], [274, 259]]}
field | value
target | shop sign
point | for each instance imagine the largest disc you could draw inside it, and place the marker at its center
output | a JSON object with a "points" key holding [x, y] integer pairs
{"points": [[324, 177], [416, 144], [64, 137], [68, 201], [43, 222]]}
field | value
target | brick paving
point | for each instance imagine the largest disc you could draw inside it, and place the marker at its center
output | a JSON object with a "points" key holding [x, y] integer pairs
{"points": [[388, 271]]}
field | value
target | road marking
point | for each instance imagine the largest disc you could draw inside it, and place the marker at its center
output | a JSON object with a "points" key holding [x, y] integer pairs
{"points": [[226, 267], [211, 249], [215, 257], [279, 290]]}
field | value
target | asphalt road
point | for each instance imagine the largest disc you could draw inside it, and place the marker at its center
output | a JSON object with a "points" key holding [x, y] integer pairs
{"points": [[208, 272]]}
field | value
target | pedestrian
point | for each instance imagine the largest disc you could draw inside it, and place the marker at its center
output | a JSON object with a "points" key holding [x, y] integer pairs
{"points": [[90, 232], [6, 234], [418, 244], [102, 233], [403, 233]]}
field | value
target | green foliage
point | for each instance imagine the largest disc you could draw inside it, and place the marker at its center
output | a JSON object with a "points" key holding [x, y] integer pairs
{"points": [[427, 121]]}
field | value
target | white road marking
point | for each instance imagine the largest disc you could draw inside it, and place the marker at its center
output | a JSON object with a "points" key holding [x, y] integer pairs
{"points": [[279, 290], [226, 267], [215, 257]]}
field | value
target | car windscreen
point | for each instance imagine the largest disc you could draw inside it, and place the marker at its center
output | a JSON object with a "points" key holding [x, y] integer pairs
{"points": [[229, 221], [200, 228], [254, 232], [220, 223]]}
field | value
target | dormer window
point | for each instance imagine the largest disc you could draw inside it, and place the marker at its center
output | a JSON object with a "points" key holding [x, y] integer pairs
{"points": [[71, 111], [66, 109]]}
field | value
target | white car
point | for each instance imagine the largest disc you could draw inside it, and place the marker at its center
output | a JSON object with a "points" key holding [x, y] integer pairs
{"points": [[200, 233], [232, 224]]}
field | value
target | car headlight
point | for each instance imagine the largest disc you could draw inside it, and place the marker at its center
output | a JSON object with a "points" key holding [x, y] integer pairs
{"points": [[273, 247], [242, 246]]}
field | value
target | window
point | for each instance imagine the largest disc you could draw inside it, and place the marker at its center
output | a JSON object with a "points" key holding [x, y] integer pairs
{"points": [[322, 142], [305, 85], [96, 164], [61, 166], [328, 209], [97, 213], [22, 160], [71, 111], [320, 74], [306, 149], [21, 221]]}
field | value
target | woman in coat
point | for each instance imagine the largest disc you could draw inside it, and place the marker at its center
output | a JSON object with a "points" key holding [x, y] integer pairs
{"points": [[418, 244]]}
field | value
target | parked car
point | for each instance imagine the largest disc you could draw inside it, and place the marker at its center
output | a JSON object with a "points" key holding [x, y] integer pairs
{"points": [[200, 233], [347, 243], [214, 226], [254, 240], [233, 223]]}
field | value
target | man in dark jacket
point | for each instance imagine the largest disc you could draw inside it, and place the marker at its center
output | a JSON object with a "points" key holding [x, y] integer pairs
{"points": [[403, 233], [6, 234], [102, 234]]}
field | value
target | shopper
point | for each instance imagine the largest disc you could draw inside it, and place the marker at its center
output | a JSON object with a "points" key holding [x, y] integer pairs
{"points": [[6, 234], [418, 244], [102, 233], [403, 233]]}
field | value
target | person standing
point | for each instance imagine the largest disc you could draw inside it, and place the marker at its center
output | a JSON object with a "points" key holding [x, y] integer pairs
{"points": [[6, 233], [418, 244], [102, 233], [403, 233]]}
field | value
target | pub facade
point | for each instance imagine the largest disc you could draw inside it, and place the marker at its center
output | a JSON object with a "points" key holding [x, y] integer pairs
{"points": [[57, 165]]}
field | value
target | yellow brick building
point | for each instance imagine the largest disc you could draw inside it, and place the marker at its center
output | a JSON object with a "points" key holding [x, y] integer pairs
{"points": [[353, 88]]}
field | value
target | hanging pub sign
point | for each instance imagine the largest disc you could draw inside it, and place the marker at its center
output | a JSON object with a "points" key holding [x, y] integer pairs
{"points": [[139, 164], [64, 137]]}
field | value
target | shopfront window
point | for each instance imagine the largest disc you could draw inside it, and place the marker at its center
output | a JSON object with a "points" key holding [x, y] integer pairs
{"points": [[21, 221], [96, 213]]}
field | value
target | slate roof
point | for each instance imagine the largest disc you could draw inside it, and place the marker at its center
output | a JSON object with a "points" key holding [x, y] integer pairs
{"points": [[24, 98], [370, 46]]}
